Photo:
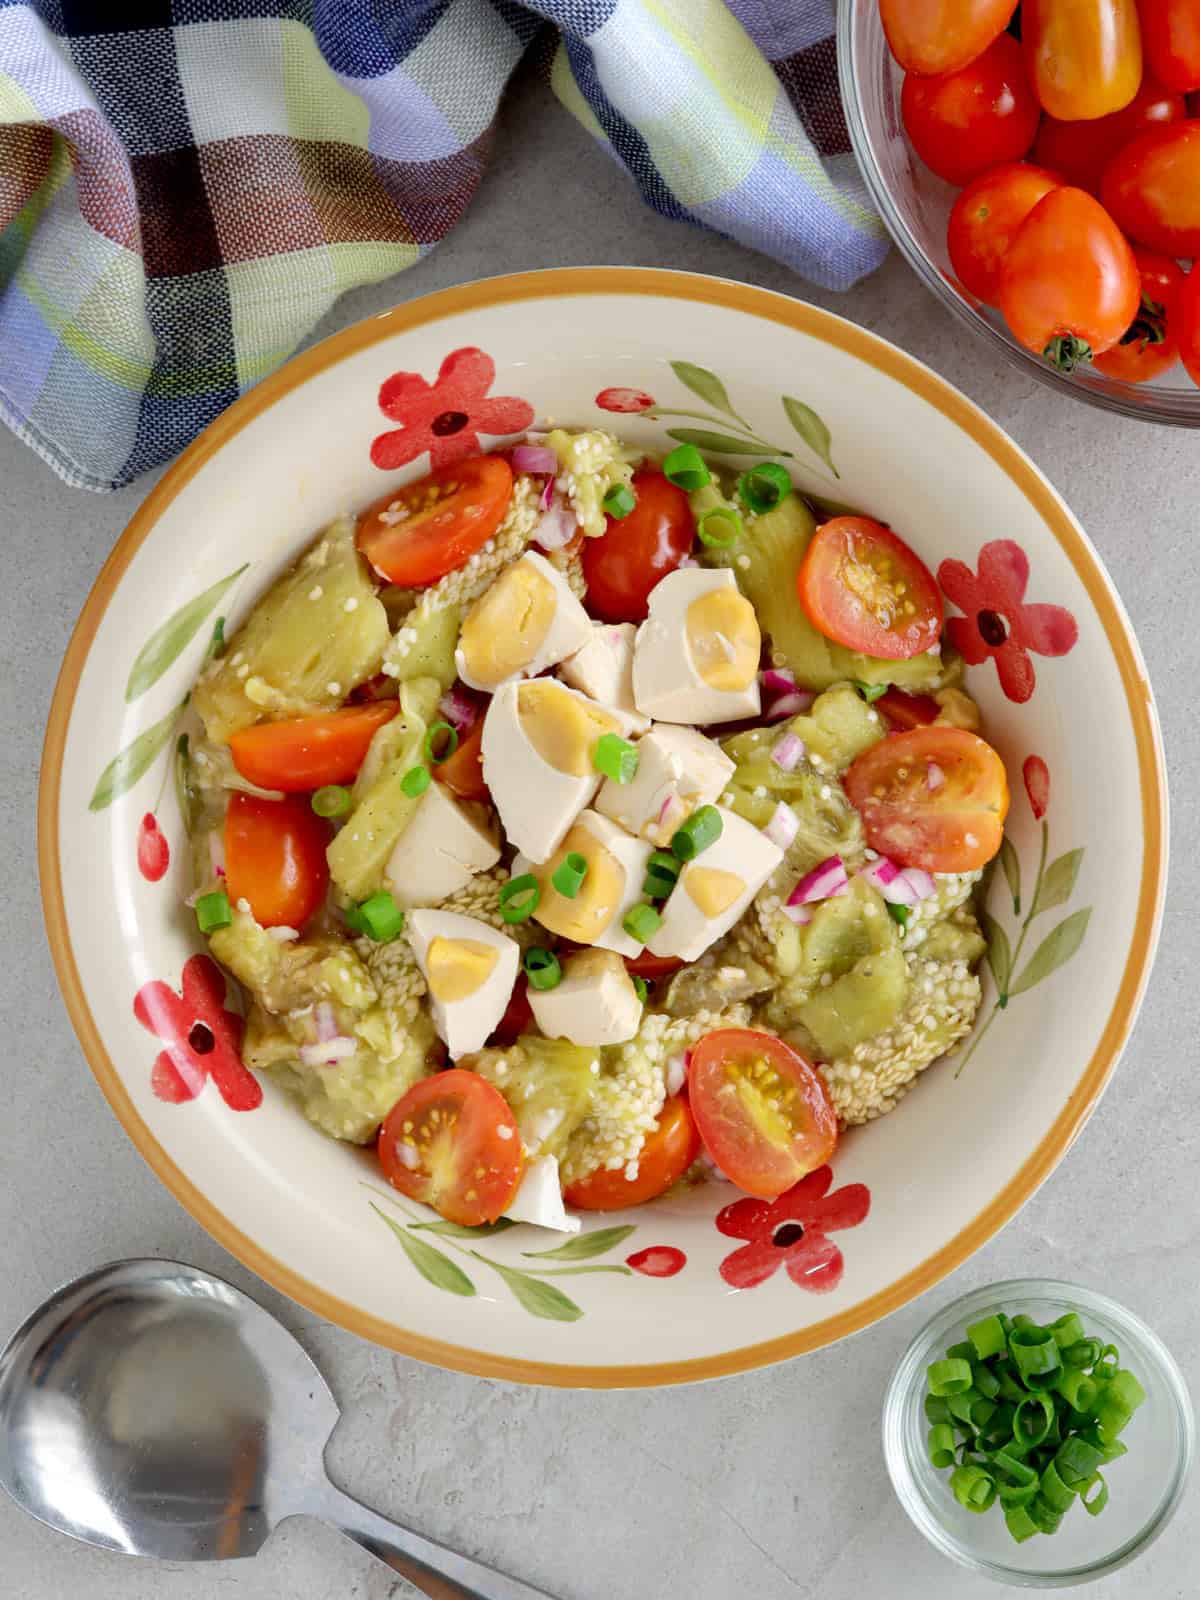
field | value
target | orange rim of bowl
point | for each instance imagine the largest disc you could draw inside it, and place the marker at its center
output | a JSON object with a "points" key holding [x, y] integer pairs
{"points": [[875, 352]]}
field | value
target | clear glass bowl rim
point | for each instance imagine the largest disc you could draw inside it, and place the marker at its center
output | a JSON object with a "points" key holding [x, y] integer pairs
{"points": [[911, 1369]]}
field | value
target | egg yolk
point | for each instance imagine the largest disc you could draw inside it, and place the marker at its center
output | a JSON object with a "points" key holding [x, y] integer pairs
{"points": [[711, 890], [507, 626], [562, 727], [586, 916], [456, 968], [724, 639]]}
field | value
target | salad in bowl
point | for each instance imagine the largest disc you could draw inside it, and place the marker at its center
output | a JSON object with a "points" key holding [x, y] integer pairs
{"points": [[580, 822]]}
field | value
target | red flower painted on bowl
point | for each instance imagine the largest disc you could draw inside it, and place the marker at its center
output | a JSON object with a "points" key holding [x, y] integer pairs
{"points": [[625, 400], [792, 1232], [997, 620], [203, 1038], [1037, 785], [657, 1261], [153, 851], [447, 416]]}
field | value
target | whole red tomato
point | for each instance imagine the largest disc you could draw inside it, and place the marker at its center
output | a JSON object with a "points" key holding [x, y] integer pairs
{"points": [[1149, 345], [961, 123], [985, 220], [933, 36], [629, 558], [1080, 151], [1070, 286], [1187, 323], [1084, 56], [1151, 189], [1171, 40]]}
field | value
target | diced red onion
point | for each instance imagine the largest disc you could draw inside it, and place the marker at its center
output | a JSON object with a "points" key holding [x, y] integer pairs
{"points": [[921, 882], [797, 914], [826, 879], [537, 435], [325, 1020], [547, 495], [689, 561], [934, 776], [326, 1052], [775, 681], [901, 886], [676, 1074], [787, 753], [671, 812], [216, 852], [535, 458], [459, 709], [788, 705], [556, 528], [783, 826]]}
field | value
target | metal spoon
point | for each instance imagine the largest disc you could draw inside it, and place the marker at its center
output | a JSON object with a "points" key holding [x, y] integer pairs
{"points": [[154, 1409]]}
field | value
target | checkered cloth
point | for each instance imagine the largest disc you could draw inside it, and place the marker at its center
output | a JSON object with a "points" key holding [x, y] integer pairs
{"points": [[187, 186]]}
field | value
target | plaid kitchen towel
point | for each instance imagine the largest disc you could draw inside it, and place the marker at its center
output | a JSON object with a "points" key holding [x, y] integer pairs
{"points": [[187, 186]]}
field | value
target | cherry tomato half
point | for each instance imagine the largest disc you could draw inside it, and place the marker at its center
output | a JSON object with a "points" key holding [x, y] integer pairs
{"points": [[517, 1018], [629, 558], [1151, 189], [668, 1152], [462, 773], [1070, 285], [933, 797], [864, 588], [1171, 40], [1080, 151], [453, 1144], [935, 36], [1187, 323], [417, 534], [275, 858], [1084, 56], [306, 752], [985, 219], [961, 123], [763, 1111], [904, 711], [645, 965], [1149, 346]]}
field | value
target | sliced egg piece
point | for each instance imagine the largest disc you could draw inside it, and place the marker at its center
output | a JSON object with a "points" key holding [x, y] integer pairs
{"points": [[678, 771], [696, 655], [469, 969], [539, 738], [594, 1004], [443, 846], [539, 1199], [527, 621], [714, 889], [616, 870], [604, 670]]}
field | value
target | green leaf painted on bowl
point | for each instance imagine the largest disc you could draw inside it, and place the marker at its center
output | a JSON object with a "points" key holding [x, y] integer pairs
{"points": [[1055, 949], [584, 1245], [1058, 883], [999, 952], [707, 385], [456, 1230], [165, 643], [721, 443], [124, 770], [811, 429], [433, 1266], [540, 1299], [1012, 871]]}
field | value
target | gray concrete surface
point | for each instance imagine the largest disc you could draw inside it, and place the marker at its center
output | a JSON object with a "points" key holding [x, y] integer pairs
{"points": [[769, 1486]]}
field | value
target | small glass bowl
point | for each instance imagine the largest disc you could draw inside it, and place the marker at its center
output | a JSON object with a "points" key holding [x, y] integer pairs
{"points": [[1145, 1486], [915, 205]]}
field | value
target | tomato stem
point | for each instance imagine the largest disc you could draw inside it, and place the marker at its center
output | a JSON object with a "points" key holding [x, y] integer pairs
{"points": [[1066, 351]]}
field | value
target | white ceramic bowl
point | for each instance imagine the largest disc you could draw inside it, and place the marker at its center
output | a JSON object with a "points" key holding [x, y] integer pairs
{"points": [[1082, 751]]}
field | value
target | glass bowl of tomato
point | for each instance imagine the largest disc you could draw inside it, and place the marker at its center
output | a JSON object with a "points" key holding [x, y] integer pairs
{"points": [[1142, 1485], [1141, 379]]}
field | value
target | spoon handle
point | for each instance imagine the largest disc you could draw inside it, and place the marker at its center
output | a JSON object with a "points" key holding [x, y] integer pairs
{"points": [[439, 1573]]}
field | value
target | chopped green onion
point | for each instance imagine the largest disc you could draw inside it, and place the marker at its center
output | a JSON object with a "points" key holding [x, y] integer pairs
{"points": [[331, 801], [1068, 1330], [441, 741], [1034, 1419], [763, 487], [619, 501], [936, 1409], [1107, 1362], [662, 871], [720, 527], [213, 911], [615, 757], [949, 1377], [1013, 1466], [1112, 1417], [1022, 1320], [1127, 1389], [973, 1488], [941, 1445], [642, 923], [685, 466], [985, 1380], [641, 987], [542, 968], [1036, 1355], [415, 781], [1048, 1520], [1111, 1451], [1076, 1459], [1020, 1524], [898, 913], [519, 897], [1084, 1353], [988, 1338], [1094, 1504], [964, 1350], [961, 1404], [700, 830], [356, 922], [383, 917], [1077, 1389], [1010, 1388], [568, 876], [870, 691]]}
